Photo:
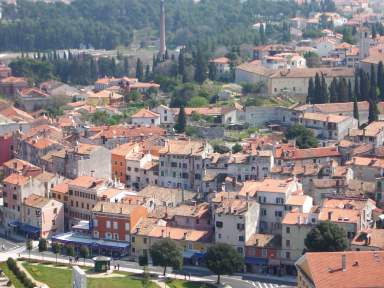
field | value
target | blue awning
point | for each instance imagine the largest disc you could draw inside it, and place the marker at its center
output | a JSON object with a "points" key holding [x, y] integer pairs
{"points": [[199, 255], [14, 224], [29, 228], [255, 261]]}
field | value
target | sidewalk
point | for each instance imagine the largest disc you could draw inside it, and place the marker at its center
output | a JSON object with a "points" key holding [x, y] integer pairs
{"points": [[125, 269]]}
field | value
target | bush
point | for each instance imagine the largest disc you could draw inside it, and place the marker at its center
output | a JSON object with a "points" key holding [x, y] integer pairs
{"points": [[11, 263]]}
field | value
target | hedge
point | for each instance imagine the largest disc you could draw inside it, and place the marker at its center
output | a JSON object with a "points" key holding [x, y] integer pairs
{"points": [[19, 274]]}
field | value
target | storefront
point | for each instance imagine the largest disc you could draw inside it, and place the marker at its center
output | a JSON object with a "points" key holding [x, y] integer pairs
{"points": [[26, 230]]}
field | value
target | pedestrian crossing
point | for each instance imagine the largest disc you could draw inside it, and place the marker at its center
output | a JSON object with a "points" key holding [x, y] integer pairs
{"points": [[258, 284]]}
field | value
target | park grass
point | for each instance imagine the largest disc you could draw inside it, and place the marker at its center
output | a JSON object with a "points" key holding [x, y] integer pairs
{"points": [[10, 275], [61, 278], [185, 284]]}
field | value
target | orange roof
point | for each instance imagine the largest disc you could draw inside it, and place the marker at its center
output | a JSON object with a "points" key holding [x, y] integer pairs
{"points": [[362, 269], [339, 215], [145, 113], [267, 185], [123, 149], [143, 85], [298, 154], [86, 181], [178, 233], [16, 179], [61, 188], [110, 132], [370, 238], [325, 117], [13, 80], [36, 201], [28, 92], [221, 60], [41, 143], [297, 200], [296, 218], [365, 161]]}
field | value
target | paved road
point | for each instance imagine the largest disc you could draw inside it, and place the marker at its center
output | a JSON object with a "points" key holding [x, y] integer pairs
{"points": [[12, 249]]}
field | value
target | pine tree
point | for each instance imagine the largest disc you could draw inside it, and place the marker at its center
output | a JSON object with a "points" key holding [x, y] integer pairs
{"points": [[311, 91], [201, 68], [139, 70], [333, 91]]}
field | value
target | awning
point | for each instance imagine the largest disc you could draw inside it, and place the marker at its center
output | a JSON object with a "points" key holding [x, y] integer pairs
{"points": [[255, 261], [14, 224], [29, 228], [188, 254], [199, 255]]}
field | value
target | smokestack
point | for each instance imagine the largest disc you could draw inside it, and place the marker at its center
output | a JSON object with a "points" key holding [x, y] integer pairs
{"points": [[163, 47]]}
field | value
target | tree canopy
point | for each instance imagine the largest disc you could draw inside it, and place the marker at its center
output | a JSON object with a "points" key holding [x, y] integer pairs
{"points": [[304, 137], [326, 237], [166, 253], [223, 259]]}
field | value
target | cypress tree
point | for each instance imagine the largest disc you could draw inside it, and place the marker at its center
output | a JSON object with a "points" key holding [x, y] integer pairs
{"points": [[380, 79], [317, 95], [139, 70], [373, 114], [311, 91], [333, 91], [126, 66], [262, 34], [342, 91], [364, 87], [181, 121], [357, 88], [147, 73], [356, 110], [350, 92], [201, 69], [212, 71], [181, 64], [324, 90]]}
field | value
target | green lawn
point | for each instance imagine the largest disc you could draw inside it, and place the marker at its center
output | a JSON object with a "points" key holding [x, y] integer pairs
{"points": [[186, 284], [61, 278], [10, 275]]}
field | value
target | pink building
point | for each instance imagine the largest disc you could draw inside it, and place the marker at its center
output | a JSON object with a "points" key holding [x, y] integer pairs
{"points": [[6, 148], [43, 217]]}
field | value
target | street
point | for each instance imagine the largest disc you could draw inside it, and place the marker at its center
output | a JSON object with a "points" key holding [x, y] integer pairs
{"points": [[13, 249]]}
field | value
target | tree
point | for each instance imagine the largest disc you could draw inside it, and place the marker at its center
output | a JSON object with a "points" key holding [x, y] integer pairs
{"points": [[326, 237], [197, 101], [181, 121], [380, 79], [84, 252], [56, 248], [201, 69], [313, 59], [263, 39], [350, 92], [139, 70], [223, 259], [166, 253], [373, 112], [324, 91], [237, 148], [212, 71], [311, 92], [333, 97], [70, 251], [342, 90], [304, 137], [43, 245], [29, 246], [317, 91], [356, 110]]}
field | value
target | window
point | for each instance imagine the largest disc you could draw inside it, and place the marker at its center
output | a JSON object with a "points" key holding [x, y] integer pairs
{"points": [[264, 252], [288, 243], [115, 225], [219, 235], [127, 226], [288, 230], [278, 213], [240, 250], [133, 239], [240, 226], [55, 211], [108, 224], [145, 240], [288, 255], [241, 238], [94, 222], [96, 234], [219, 224]]}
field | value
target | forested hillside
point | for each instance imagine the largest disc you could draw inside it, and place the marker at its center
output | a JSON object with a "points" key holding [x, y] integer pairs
{"points": [[108, 23]]}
